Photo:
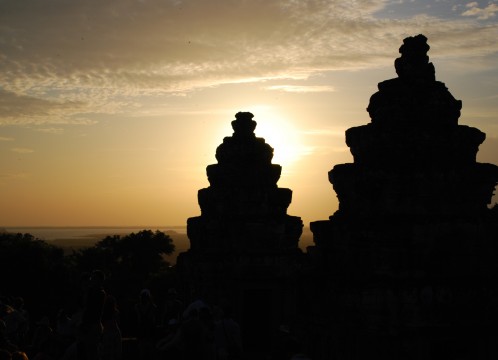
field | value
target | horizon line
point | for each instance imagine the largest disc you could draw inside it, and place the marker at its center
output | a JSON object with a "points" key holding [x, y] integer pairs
{"points": [[89, 226], [97, 226]]}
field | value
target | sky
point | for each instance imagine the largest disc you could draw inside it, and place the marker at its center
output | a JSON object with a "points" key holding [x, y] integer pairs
{"points": [[111, 110]]}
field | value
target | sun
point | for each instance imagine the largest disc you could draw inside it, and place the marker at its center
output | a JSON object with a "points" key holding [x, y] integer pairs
{"points": [[280, 133]]}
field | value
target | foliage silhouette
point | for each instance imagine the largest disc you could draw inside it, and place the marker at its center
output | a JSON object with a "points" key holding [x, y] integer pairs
{"points": [[30, 267], [48, 280], [129, 261]]}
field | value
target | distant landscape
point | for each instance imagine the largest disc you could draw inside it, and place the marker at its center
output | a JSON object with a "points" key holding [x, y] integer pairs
{"points": [[74, 238]]}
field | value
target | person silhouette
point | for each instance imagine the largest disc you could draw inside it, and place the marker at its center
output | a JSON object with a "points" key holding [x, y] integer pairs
{"points": [[227, 336], [146, 311], [90, 329], [5, 355], [5, 343], [173, 307], [112, 348], [19, 355]]}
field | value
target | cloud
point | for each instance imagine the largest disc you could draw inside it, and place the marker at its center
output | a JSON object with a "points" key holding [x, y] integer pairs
{"points": [[480, 13], [22, 150], [23, 109], [301, 89], [93, 55], [3, 138], [51, 130]]}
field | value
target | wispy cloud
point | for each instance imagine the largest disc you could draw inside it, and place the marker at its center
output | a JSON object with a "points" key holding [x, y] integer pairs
{"points": [[301, 89], [110, 53], [21, 150], [24, 109], [3, 138], [51, 130], [484, 13]]}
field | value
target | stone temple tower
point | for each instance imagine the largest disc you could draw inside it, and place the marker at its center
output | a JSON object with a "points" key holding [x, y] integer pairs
{"points": [[407, 268], [244, 246]]}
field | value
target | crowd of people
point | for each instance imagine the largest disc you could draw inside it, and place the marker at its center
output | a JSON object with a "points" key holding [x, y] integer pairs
{"points": [[174, 330]]}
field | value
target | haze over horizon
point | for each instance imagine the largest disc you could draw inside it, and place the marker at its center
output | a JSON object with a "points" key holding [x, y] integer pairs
{"points": [[111, 111]]}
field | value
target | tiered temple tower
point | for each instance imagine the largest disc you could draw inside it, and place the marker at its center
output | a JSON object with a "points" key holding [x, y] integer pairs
{"points": [[244, 246], [407, 268]]}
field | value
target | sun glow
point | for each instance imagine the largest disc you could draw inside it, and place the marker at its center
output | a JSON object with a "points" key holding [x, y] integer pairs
{"points": [[280, 133]]}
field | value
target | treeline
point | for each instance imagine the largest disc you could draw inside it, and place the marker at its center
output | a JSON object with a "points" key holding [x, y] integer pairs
{"points": [[49, 281]]}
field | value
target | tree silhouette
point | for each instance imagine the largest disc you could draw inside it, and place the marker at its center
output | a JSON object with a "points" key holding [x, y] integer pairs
{"points": [[30, 267], [129, 261]]}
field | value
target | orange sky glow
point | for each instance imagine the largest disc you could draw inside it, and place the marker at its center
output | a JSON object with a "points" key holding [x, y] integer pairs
{"points": [[111, 111]]}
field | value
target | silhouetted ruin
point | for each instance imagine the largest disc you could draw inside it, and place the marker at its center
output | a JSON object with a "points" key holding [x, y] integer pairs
{"points": [[406, 268], [244, 246]]}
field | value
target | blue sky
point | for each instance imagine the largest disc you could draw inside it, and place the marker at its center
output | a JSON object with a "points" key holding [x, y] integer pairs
{"points": [[443, 9]]}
